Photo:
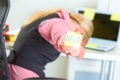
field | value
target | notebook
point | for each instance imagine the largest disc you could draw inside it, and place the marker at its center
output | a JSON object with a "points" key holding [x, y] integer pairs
{"points": [[105, 35]]}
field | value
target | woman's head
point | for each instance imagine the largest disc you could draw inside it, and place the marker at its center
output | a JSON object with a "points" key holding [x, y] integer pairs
{"points": [[83, 21], [85, 25]]}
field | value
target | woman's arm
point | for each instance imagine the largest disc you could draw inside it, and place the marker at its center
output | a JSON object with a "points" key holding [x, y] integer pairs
{"points": [[54, 31]]}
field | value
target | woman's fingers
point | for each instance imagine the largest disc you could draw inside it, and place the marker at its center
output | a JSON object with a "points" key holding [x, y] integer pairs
{"points": [[71, 51], [65, 49], [81, 54]]}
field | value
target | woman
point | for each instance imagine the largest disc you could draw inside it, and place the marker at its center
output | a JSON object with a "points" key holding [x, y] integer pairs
{"points": [[41, 41]]}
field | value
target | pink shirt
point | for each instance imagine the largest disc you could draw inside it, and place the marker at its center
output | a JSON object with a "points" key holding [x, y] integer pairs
{"points": [[52, 30]]}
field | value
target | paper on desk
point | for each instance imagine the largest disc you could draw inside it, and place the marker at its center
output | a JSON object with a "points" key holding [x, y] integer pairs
{"points": [[91, 45], [90, 13], [115, 17]]}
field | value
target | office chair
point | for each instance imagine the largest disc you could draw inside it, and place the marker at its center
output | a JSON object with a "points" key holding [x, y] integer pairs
{"points": [[44, 79], [4, 9], [4, 71]]}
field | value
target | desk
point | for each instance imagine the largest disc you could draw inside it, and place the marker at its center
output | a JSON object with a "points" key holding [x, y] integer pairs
{"points": [[110, 57]]}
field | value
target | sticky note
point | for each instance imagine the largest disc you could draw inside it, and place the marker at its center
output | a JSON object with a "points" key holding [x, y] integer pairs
{"points": [[90, 13], [12, 38], [73, 39], [115, 17], [91, 45]]}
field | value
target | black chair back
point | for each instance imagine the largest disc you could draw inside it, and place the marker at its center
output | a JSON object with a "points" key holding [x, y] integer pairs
{"points": [[44, 79], [4, 9]]}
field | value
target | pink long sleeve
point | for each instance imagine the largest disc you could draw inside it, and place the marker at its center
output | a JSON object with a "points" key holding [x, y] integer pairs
{"points": [[54, 31]]}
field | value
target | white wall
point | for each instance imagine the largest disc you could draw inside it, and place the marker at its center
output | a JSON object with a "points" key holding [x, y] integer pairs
{"points": [[111, 6], [21, 9]]}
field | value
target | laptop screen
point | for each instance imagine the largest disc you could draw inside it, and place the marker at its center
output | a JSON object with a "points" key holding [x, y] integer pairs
{"points": [[104, 28]]}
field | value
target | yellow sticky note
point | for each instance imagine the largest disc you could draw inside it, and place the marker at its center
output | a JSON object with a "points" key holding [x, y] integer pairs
{"points": [[73, 39], [115, 17], [91, 45], [12, 38], [90, 13]]}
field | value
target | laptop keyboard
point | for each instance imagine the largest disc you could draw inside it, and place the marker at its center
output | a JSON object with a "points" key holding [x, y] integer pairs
{"points": [[100, 44]]}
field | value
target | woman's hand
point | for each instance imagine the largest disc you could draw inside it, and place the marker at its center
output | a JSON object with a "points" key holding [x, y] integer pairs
{"points": [[72, 51]]}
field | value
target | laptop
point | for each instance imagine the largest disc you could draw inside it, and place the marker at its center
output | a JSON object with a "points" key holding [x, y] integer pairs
{"points": [[105, 34]]}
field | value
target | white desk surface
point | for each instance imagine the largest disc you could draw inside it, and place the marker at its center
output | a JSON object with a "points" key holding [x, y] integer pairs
{"points": [[112, 55]]}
